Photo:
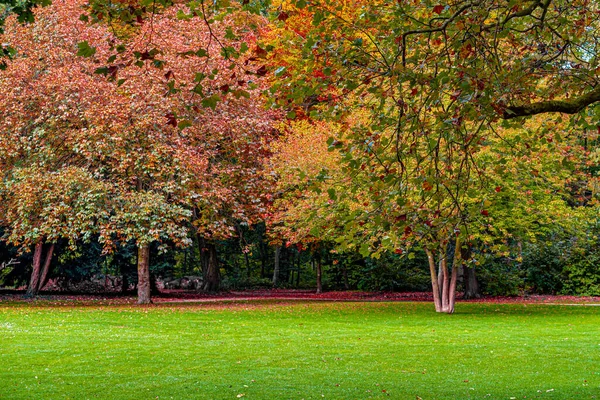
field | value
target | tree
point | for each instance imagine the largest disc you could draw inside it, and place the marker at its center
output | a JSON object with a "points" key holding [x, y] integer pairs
{"points": [[434, 80], [80, 158], [305, 175], [135, 127]]}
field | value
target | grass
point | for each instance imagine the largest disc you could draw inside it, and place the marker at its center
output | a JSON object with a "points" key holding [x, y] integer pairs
{"points": [[268, 350]]}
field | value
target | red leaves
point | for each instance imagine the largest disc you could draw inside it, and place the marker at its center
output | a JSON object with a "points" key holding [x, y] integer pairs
{"points": [[171, 119], [259, 52], [283, 16], [262, 71], [438, 9], [318, 73]]}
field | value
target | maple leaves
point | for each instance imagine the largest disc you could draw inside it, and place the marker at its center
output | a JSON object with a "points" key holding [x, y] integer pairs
{"points": [[142, 156]]}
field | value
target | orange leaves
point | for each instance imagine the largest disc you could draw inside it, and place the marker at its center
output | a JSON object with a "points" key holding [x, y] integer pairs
{"points": [[143, 160], [427, 186]]}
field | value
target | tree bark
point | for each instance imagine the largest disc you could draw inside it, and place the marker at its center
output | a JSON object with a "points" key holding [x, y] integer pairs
{"points": [[211, 278], [264, 256], [44, 275], [445, 278], [471, 284], [319, 274], [34, 282], [456, 263], [124, 284], [437, 300], [248, 271], [443, 282], [570, 106], [345, 276], [143, 286], [276, 265], [469, 276]]}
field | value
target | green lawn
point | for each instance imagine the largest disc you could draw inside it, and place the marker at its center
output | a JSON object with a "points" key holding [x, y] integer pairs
{"points": [[265, 350]]}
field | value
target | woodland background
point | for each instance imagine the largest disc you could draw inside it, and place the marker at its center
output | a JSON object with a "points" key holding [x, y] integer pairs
{"points": [[374, 146]]}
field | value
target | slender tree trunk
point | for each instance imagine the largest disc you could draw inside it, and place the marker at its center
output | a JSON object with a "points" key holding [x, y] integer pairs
{"points": [[437, 300], [298, 274], [34, 282], [153, 285], [203, 254], [210, 274], [469, 276], [345, 276], [44, 275], [445, 279], [471, 284], [243, 249], [276, 266], [264, 256], [248, 272], [143, 264], [456, 263], [319, 274], [444, 282], [124, 284]]}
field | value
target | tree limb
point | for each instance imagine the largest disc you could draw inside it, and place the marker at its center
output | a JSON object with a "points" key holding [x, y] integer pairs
{"points": [[571, 106]]}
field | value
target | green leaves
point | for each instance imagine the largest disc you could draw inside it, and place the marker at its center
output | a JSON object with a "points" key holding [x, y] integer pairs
{"points": [[211, 101], [85, 50]]}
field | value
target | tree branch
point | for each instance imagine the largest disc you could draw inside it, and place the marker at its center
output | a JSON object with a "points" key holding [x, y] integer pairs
{"points": [[571, 106]]}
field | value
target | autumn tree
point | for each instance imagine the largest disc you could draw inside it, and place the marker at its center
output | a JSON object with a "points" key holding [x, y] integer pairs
{"points": [[212, 75], [116, 99], [305, 176], [436, 79], [105, 150]]}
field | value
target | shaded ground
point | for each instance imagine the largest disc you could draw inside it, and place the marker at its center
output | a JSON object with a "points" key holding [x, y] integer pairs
{"points": [[177, 296]]}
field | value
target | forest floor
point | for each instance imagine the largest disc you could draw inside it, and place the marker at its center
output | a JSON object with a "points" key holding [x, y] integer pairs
{"points": [[183, 296]]}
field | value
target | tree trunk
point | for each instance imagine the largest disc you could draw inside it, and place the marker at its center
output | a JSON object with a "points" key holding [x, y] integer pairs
{"points": [[345, 276], [445, 278], [211, 278], [44, 276], [124, 284], [471, 284], [437, 301], [34, 282], [264, 256], [456, 263], [319, 274], [263, 266], [444, 283], [469, 276], [276, 266], [154, 285], [143, 286], [248, 271]]}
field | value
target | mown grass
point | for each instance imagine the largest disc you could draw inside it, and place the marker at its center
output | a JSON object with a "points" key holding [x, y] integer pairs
{"points": [[266, 350]]}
